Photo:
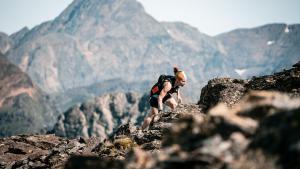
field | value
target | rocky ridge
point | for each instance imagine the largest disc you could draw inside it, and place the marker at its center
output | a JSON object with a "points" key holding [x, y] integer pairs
{"points": [[258, 130], [102, 115], [230, 90], [5, 43]]}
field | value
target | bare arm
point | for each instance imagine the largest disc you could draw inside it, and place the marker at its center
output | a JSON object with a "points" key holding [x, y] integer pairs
{"points": [[178, 93], [179, 99], [164, 91]]}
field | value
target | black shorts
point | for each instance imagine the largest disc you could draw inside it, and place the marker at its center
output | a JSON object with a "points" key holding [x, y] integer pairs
{"points": [[154, 101]]}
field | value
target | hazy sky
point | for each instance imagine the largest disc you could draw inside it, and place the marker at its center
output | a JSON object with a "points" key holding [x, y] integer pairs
{"points": [[209, 16]]}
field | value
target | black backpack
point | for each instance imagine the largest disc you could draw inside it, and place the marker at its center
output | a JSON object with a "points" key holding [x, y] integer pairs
{"points": [[160, 82]]}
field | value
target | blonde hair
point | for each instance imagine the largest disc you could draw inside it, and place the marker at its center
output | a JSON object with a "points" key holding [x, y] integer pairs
{"points": [[179, 74]]}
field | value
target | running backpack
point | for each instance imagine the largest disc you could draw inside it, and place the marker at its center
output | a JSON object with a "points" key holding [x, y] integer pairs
{"points": [[160, 82]]}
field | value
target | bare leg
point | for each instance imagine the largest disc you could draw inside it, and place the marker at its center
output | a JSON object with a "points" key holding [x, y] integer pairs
{"points": [[171, 103], [153, 112]]}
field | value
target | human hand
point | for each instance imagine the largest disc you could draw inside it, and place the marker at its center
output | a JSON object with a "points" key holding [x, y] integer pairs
{"points": [[179, 100]]}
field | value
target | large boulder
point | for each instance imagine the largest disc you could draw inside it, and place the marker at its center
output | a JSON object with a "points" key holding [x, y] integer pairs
{"points": [[226, 90]]}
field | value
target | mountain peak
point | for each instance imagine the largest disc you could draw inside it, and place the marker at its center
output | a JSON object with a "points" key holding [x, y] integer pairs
{"points": [[91, 13]]}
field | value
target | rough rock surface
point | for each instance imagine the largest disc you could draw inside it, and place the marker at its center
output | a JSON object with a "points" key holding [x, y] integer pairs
{"points": [[222, 138], [229, 91], [285, 81], [50, 151], [41, 151], [259, 131], [226, 90]]}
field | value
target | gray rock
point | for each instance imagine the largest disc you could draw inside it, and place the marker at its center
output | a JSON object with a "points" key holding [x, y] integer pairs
{"points": [[102, 115], [230, 91], [5, 43]]}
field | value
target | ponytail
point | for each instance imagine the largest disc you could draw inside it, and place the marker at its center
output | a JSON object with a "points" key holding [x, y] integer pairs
{"points": [[175, 69], [179, 74]]}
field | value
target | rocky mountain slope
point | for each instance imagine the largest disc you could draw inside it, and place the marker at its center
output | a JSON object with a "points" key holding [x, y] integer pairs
{"points": [[5, 43], [101, 116], [257, 130], [95, 41], [24, 108], [231, 90], [74, 96], [248, 50]]}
